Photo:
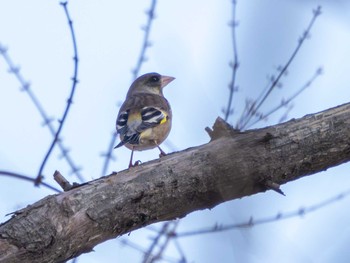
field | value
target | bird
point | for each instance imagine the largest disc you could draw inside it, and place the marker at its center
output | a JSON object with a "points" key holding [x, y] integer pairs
{"points": [[144, 119]]}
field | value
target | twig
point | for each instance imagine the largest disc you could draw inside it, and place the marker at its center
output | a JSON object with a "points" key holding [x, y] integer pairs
{"points": [[283, 103], [180, 250], [168, 236], [234, 65], [138, 248], [133, 245], [109, 154], [148, 255], [25, 87], [146, 43], [257, 104], [70, 99], [280, 216], [29, 179]]}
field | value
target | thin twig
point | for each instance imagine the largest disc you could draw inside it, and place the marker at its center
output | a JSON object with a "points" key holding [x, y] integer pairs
{"points": [[109, 154], [70, 99], [146, 43], [29, 179], [169, 234], [234, 64], [148, 255], [180, 250], [280, 216], [256, 106], [138, 248], [286, 102], [132, 245], [25, 87]]}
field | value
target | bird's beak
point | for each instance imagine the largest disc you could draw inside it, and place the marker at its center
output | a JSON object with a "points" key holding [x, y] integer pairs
{"points": [[165, 80]]}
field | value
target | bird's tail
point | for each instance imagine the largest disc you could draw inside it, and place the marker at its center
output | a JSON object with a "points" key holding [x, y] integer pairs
{"points": [[120, 144], [132, 139]]}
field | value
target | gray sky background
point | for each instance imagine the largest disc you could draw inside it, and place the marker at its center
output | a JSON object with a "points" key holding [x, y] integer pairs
{"points": [[192, 42]]}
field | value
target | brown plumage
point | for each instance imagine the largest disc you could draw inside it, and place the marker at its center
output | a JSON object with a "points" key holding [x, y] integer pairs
{"points": [[144, 119]]}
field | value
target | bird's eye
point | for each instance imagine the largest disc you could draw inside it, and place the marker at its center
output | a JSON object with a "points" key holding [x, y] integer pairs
{"points": [[154, 79]]}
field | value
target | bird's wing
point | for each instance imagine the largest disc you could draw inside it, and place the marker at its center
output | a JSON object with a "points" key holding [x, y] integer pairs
{"points": [[151, 117]]}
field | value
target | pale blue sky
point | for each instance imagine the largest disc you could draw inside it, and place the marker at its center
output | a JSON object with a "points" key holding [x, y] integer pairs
{"points": [[192, 42]]}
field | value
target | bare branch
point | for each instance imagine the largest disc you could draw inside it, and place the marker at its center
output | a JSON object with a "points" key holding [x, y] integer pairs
{"points": [[286, 102], [169, 235], [280, 216], [28, 179], [25, 87], [275, 81], [146, 43], [109, 154], [149, 257], [180, 250], [234, 64], [140, 249], [232, 165], [70, 99]]}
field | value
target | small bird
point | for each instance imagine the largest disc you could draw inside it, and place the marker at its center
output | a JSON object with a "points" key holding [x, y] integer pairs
{"points": [[144, 119]]}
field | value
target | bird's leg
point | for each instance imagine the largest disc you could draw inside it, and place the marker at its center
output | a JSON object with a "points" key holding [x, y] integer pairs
{"points": [[162, 153], [132, 154], [136, 163]]}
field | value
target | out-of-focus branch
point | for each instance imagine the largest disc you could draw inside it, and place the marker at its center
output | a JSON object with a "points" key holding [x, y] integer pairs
{"points": [[146, 43], [163, 236], [168, 236], [286, 102], [280, 216], [140, 249], [228, 111], [252, 110], [148, 257], [28, 179], [109, 154], [70, 99], [25, 87]]}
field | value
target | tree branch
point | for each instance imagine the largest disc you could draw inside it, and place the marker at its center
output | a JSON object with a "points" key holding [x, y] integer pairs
{"points": [[232, 165]]}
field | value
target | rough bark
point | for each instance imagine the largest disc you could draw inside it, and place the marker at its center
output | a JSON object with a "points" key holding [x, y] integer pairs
{"points": [[232, 165]]}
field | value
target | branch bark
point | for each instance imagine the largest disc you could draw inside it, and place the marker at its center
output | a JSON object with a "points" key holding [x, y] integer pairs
{"points": [[232, 165]]}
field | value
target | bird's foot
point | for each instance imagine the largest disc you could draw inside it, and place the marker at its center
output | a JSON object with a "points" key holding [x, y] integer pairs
{"points": [[162, 154], [137, 163]]}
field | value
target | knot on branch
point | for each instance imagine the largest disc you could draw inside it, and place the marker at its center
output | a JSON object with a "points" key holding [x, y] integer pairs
{"points": [[221, 129], [63, 182]]}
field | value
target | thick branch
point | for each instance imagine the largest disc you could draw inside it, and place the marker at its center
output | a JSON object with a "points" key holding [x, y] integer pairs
{"points": [[232, 165]]}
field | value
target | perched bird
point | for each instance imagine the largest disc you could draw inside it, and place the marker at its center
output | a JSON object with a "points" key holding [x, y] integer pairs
{"points": [[144, 119]]}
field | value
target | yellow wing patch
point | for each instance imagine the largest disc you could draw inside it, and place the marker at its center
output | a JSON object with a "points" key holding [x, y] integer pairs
{"points": [[165, 119]]}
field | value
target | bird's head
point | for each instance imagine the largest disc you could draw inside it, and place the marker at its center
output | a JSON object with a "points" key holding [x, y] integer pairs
{"points": [[150, 83]]}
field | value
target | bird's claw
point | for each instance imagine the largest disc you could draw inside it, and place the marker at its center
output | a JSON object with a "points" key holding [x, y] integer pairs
{"points": [[162, 154], [137, 163]]}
